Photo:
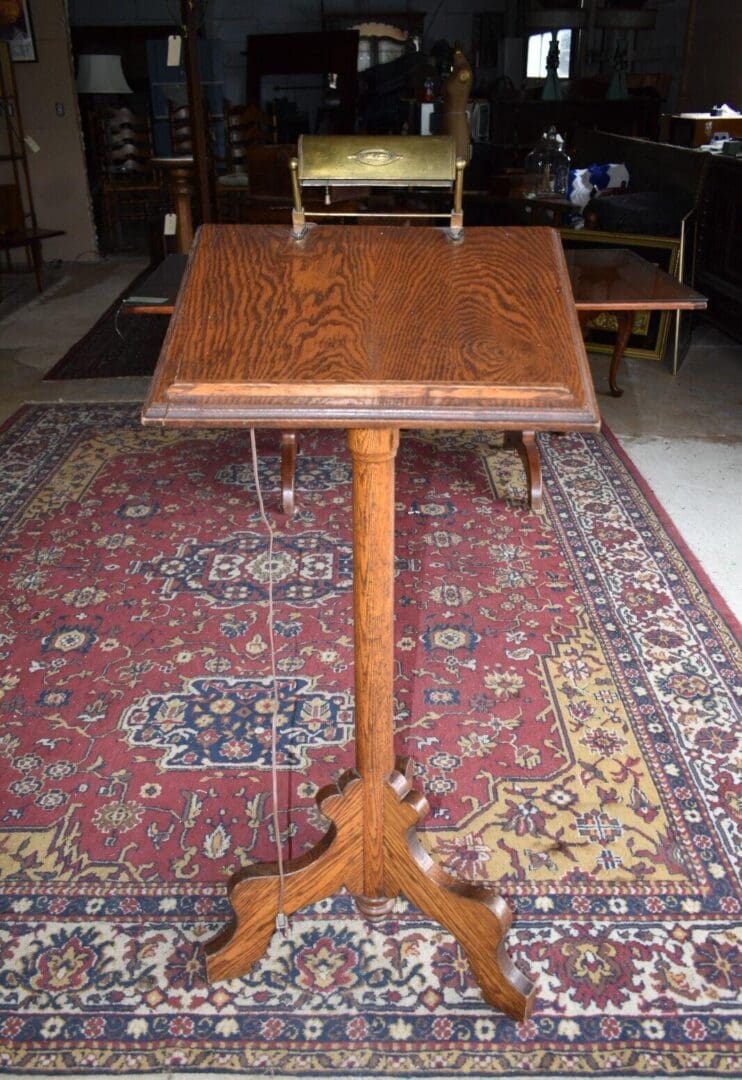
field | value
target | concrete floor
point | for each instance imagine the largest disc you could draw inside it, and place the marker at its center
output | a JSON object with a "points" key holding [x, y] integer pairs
{"points": [[684, 434]]}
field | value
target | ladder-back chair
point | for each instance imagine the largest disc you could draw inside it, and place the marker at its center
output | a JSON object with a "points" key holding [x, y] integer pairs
{"points": [[131, 186]]}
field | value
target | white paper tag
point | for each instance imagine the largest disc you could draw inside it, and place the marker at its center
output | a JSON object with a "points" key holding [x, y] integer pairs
{"points": [[171, 220], [32, 145], [174, 43]]}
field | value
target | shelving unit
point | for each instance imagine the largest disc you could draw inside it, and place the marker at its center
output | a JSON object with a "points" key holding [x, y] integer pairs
{"points": [[18, 225]]}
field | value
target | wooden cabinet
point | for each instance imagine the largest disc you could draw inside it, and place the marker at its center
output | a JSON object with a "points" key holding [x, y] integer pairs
{"points": [[719, 244], [695, 129]]}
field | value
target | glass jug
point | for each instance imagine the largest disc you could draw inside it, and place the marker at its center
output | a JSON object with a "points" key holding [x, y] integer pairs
{"points": [[547, 166]]}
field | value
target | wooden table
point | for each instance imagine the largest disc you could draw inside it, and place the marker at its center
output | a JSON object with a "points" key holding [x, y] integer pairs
{"points": [[620, 281], [372, 329], [31, 239]]}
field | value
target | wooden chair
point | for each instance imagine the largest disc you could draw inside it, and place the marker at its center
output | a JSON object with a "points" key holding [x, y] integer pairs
{"points": [[131, 186], [181, 139], [181, 135], [244, 126], [19, 230], [247, 130]]}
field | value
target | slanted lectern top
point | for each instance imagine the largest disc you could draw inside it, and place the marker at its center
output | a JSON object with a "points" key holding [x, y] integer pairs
{"points": [[375, 325]]}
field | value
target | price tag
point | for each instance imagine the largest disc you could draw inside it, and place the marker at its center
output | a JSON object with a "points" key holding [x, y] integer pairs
{"points": [[32, 145], [171, 220], [174, 43]]}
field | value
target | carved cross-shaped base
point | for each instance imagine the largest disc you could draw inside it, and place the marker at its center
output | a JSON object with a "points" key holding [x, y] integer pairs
{"points": [[371, 847], [473, 914]]}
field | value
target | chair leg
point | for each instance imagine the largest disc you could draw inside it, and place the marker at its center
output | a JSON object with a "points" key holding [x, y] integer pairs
{"points": [[38, 263], [289, 447]]}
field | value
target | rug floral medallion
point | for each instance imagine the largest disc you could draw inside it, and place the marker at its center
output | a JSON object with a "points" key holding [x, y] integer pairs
{"points": [[564, 682]]}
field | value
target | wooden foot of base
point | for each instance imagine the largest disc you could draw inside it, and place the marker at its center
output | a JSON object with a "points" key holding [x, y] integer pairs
{"points": [[473, 914], [255, 892]]}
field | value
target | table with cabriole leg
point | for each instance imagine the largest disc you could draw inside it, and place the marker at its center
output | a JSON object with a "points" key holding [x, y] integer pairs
{"points": [[373, 329]]}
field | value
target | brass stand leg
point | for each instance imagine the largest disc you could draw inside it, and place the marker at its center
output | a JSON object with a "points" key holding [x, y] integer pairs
{"points": [[625, 320], [527, 447], [371, 847], [289, 446]]}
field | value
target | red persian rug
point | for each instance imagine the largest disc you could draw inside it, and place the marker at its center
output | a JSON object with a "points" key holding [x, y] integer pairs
{"points": [[564, 682]]}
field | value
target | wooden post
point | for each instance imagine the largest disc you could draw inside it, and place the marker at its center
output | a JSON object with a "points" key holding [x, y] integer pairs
{"points": [[373, 451], [199, 134]]}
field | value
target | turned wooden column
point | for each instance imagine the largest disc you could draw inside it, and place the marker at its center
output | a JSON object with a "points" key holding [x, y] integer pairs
{"points": [[181, 188], [179, 173], [373, 451]]}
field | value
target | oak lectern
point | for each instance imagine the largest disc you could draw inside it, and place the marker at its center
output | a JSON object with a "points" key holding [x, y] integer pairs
{"points": [[373, 329]]}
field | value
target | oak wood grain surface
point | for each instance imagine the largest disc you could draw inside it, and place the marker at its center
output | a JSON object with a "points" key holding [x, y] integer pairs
{"points": [[374, 325]]}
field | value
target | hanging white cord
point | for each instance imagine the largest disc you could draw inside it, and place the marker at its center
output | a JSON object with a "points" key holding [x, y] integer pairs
{"points": [[281, 920]]}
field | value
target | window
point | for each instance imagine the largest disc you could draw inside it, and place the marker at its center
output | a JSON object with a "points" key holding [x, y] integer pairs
{"points": [[538, 50], [380, 43]]}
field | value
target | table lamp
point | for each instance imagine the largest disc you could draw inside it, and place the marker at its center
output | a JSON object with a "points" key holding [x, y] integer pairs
{"points": [[101, 73]]}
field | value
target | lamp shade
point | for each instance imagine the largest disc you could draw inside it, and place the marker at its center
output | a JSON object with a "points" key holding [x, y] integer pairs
{"points": [[101, 74]]}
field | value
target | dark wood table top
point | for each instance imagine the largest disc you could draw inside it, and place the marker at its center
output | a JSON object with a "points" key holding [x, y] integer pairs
{"points": [[619, 279], [374, 326]]}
